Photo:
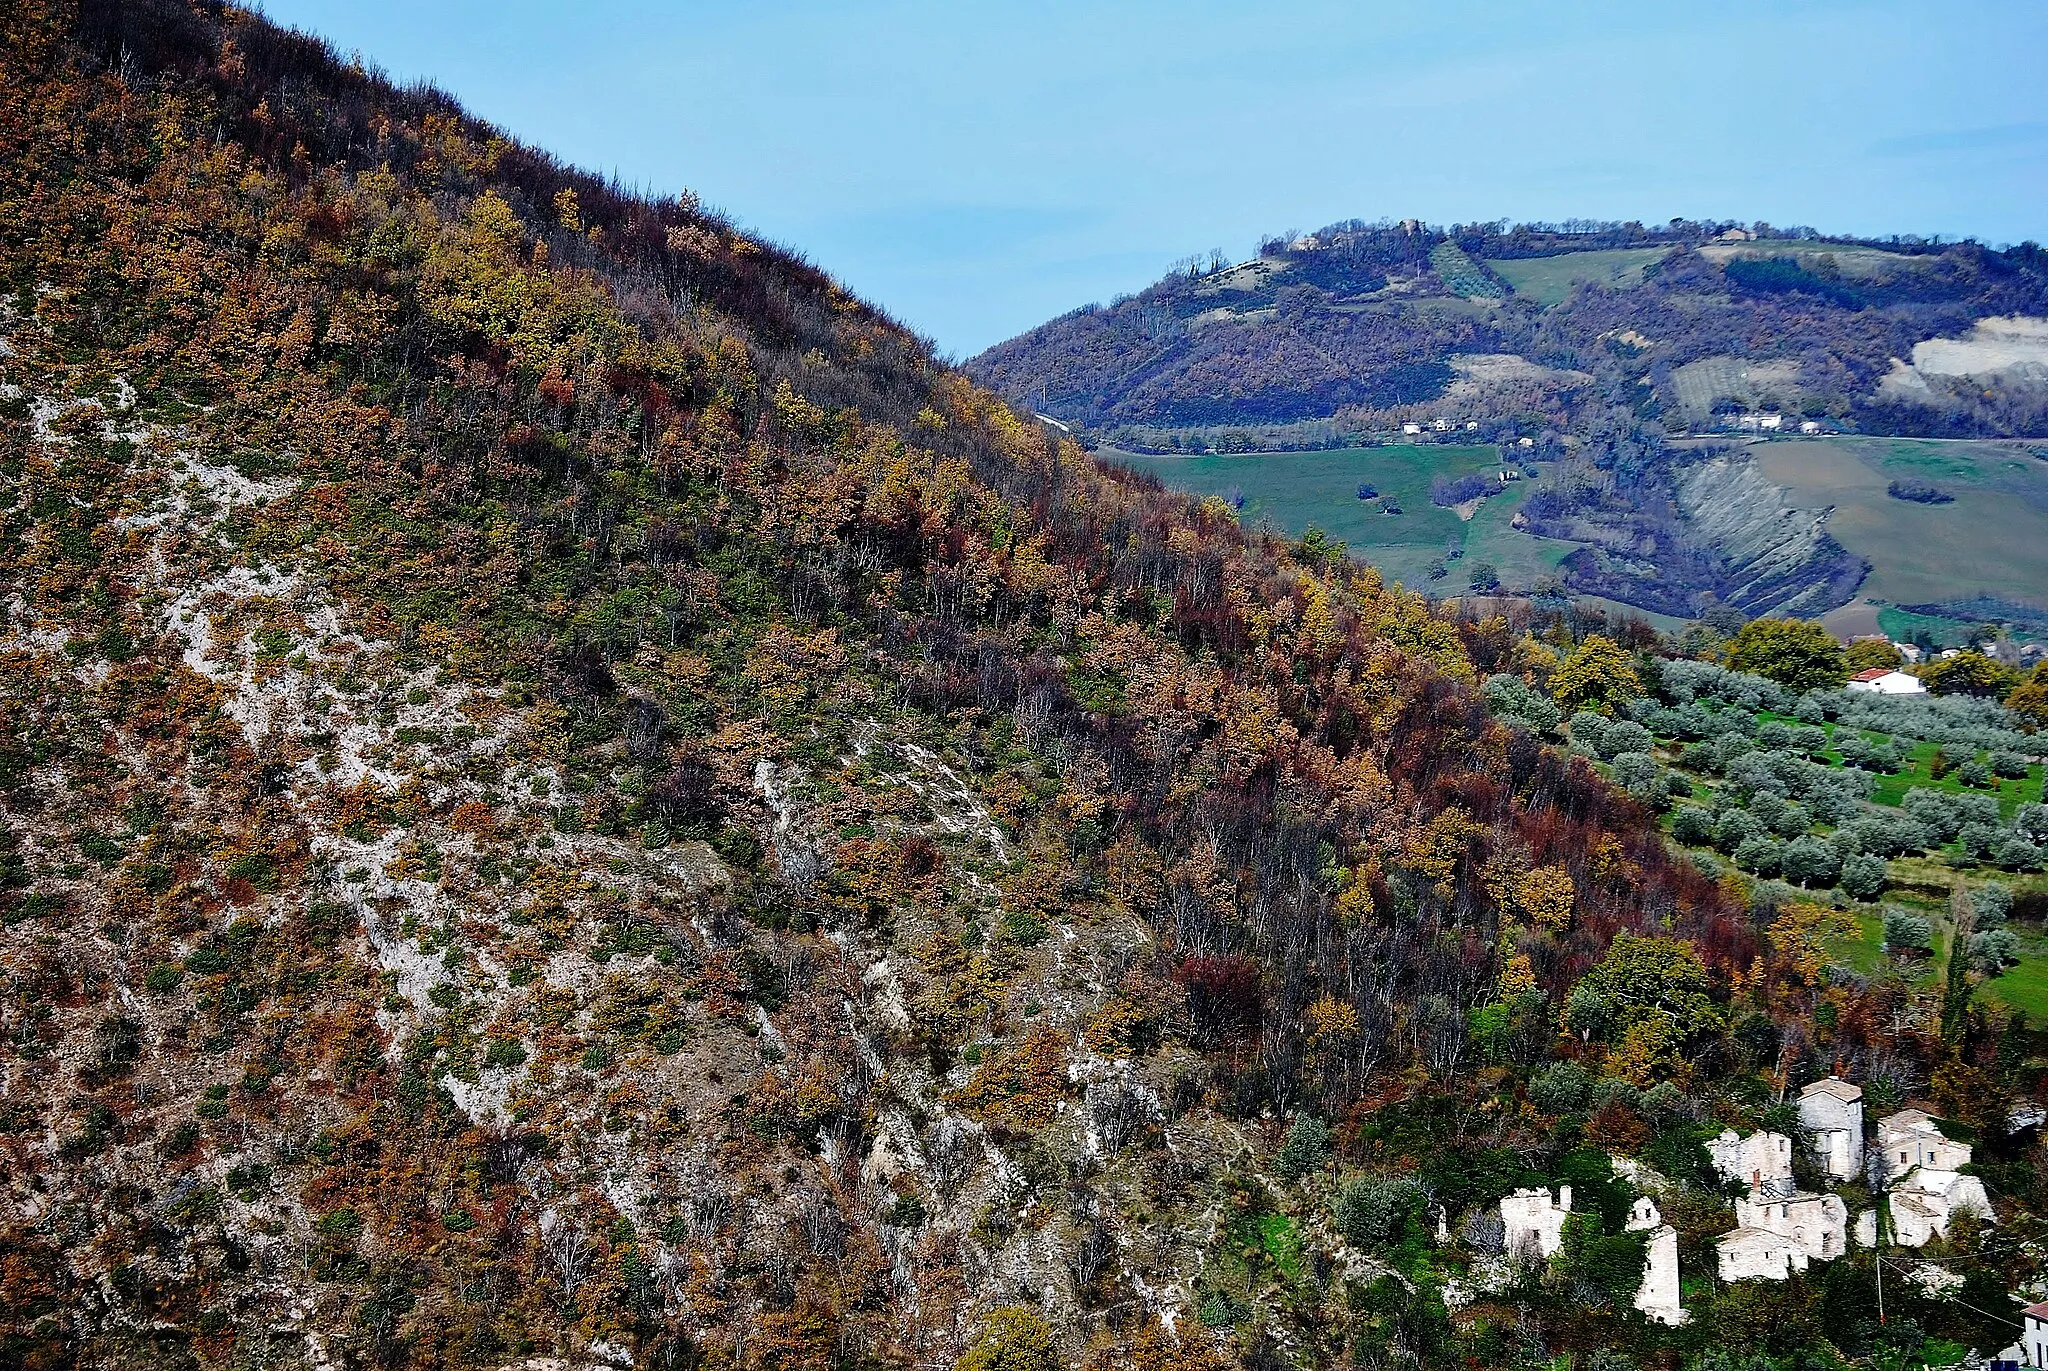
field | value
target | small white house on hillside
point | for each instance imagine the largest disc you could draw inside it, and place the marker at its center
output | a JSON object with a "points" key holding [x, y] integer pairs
{"points": [[1912, 1138], [1886, 680]]}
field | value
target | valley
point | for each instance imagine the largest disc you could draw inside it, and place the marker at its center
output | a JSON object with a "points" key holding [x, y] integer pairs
{"points": [[1951, 564]]}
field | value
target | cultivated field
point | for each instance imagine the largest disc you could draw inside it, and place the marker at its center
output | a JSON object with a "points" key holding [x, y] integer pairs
{"points": [[1992, 539], [1292, 490], [1699, 384], [1549, 280]]}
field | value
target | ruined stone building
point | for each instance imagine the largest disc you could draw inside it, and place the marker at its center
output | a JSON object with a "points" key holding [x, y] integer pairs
{"points": [[1533, 1224], [1832, 1110], [1762, 1161], [1658, 1295]]}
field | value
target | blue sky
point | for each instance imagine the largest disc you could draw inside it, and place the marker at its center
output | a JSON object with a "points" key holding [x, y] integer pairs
{"points": [[977, 168]]}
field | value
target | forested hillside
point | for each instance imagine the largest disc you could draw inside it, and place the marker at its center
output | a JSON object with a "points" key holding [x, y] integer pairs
{"points": [[570, 792]]}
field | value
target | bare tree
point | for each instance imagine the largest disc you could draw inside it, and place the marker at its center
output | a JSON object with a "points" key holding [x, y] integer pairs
{"points": [[566, 1241]]}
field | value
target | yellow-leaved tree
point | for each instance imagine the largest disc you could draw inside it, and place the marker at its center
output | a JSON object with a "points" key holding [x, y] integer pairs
{"points": [[1598, 675]]}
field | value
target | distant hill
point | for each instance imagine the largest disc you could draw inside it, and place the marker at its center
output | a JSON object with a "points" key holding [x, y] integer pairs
{"points": [[1621, 364], [1368, 326]]}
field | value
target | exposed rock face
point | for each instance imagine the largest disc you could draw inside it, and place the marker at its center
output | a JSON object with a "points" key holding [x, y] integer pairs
{"points": [[1778, 557]]}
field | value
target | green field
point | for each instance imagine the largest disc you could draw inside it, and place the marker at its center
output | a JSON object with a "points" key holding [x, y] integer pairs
{"points": [[1899, 626], [1991, 540], [1292, 490], [1549, 280]]}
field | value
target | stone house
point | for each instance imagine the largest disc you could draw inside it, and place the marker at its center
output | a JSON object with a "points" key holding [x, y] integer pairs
{"points": [[1757, 1254], [1762, 1161], [1818, 1225], [1926, 1202], [1912, 1138], [1832, 1110]]}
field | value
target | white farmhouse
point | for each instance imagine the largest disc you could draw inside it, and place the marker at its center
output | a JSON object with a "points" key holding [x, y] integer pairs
{"points": [[2034, 1335], [1762, 1161], [1886, 680], [1757, 1254], [1657, 1296], [1411, 429], [1534, 1226], [1832, 1110]]}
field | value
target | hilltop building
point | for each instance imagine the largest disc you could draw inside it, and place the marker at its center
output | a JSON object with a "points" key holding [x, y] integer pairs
{"points": [[1832, 1110]]}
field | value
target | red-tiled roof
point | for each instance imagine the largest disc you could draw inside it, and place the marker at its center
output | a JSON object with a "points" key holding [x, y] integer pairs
{"points": [[1874, 673], [2037, 1311]]}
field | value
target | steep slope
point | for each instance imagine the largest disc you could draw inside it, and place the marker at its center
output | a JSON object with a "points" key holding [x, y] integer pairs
{"points": [[569, 792]]}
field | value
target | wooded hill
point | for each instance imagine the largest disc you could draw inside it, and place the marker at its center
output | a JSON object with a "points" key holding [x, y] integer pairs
{"points": [[569, 791], [1365, 326]]}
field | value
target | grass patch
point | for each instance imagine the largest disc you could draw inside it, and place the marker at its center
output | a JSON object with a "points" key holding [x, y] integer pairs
{"points": [[1986, 542], [1280, 1239], [2025, 987], [1293, 490], [1549, 280]]}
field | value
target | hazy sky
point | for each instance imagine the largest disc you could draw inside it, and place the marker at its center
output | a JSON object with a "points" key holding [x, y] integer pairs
{"points": [[976, 168]]}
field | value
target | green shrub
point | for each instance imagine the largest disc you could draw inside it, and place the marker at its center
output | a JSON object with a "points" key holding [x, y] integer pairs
{"points": [[1306, 1148], [1905, 931], [1560, 1088], [1863, 875]]}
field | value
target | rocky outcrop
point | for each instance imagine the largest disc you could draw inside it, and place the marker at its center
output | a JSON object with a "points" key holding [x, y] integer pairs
{"points": [[1778, 557]]}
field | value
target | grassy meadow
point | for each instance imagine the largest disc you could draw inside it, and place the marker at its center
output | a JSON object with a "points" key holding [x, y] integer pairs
{"points": [[1987, 541], [1549, 280], [1292, 490]]}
